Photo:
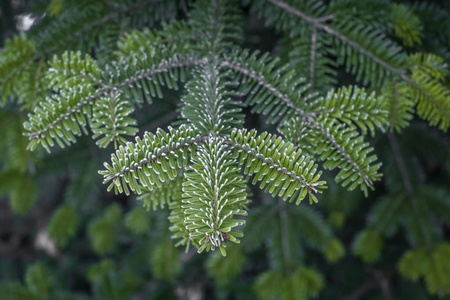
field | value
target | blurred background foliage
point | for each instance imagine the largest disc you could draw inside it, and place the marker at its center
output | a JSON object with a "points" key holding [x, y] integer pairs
{"points": [[62, 236]]}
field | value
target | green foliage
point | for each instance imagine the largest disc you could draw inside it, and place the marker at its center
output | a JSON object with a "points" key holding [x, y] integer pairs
{"points": [[368, 245], [272, 88], [101, 269], [153, 160], [333, 134], [428, 76], [15, 291], [356, 107], [108, 283], [214, 194], [160, 196], [342, 147], [220, 268], [401, 102], [366, 52], [310, 55], [437, 272], [267, 285], [433, 266], [63, 224], [102, 230], [334, 250], [311, 279], [208, 105], [280, 168], [407, 25], [165, 260], [110, 114], [268, 106], [301, 284], [23, 195], [137, 220], [412, 264], [38, 279], [14, 59]]}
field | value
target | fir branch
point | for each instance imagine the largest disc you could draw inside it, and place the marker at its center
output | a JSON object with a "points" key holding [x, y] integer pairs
{"points": [[153, 160], [312, 59], [409, 188], [208, 103], [36, 132], [246, 66], [213, 194], [281, 168], [442, 109], [97, 23], [351, 149], [268, 161], [318, 23], [261, 80], [286, 248], [150, 161]]}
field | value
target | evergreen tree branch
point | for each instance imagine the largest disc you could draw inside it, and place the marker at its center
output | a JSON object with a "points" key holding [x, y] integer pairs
{"points": [[409, 188], [318, 23], [261, 80], [44, 123], [344, 141], [380, 280], [401, 165], [208, 105], [284, 223], [282, 170], [432, 92], [151, 161], [332, 131], [213, 194], [96, 23], [312, 59]]}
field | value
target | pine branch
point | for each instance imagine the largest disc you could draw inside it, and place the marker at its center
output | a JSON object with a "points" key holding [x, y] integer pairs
{"points": [[311, 55]]}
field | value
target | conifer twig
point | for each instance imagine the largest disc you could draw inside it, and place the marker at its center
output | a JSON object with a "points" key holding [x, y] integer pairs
{"points": [[317, 23], [285, 244], [408, 186], [313, 59]]}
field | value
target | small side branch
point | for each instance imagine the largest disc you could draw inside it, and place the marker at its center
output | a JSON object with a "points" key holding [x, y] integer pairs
{"points": [[409, 187], [401, 164], [318, 24], [261, 80], [313, 59], [380, 280], [161, 68], [340, 149], [285, 243]]}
